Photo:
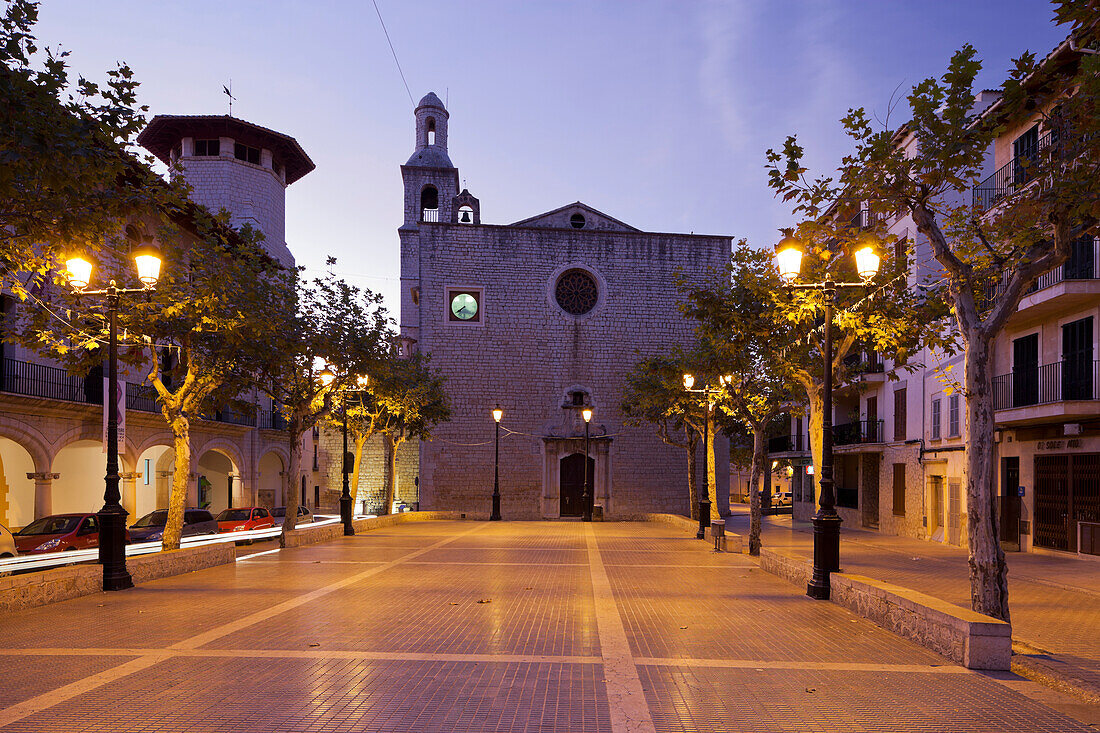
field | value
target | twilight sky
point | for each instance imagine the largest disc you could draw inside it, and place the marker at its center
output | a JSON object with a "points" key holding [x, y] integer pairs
{"points": [[656, 112]]}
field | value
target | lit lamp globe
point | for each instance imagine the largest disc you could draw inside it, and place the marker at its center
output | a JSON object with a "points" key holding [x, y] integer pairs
{"points": [[689, 381], [148, 260], [867, 257], [788, 257], [326, 376], [78, 271], [586, 413], [498, 413]]}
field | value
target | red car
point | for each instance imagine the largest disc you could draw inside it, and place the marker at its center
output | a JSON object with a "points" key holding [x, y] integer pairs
{"points": [[58, 533], [244, 518]]}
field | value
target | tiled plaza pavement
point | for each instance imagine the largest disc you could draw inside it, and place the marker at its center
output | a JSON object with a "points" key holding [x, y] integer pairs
{"points": [[471, 626], [1054, 600]]}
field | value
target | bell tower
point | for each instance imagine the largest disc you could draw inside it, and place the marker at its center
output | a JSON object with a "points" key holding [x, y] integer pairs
{"points": [[431, 180]]}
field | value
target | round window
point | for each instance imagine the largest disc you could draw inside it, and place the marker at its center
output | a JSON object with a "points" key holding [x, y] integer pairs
{"points": [[464, 306], [577, 221], [576, 292]]}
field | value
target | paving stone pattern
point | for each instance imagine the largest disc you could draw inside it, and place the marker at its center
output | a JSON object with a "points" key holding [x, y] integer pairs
{"points": [[471, 626], [1054, 600]]}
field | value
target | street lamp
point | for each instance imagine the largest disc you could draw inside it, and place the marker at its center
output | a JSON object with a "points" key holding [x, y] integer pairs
{"points": [[586, 413], [704, 495], [826, 521], [345, 494], [112, 517], [495, 516]]}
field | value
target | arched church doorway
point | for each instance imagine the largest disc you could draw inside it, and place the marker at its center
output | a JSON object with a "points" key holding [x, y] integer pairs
{"points": [[571, 483]]}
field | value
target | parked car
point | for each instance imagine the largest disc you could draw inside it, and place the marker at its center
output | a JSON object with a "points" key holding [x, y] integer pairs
{"points": [[59, 532], [782, 498], [151, 526], [244, 518], [278, 514], [7, 543]]}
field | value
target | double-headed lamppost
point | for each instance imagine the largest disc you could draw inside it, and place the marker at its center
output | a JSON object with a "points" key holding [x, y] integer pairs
{"points": [[826, 521], [704, 495], [497, 415], [345, 469], [586, 413], [112, 517]]}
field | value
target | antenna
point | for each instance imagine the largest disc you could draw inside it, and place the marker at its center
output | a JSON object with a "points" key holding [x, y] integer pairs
{"points": [[447, 94], [229, 93]]}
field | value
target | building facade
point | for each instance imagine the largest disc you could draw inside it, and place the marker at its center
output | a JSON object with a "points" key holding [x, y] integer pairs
{"points": [[51, 435], [900, 455], [543, 318]]}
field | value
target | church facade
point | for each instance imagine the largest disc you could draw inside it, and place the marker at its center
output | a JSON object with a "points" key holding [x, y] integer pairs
{"points": [[541, 318]]}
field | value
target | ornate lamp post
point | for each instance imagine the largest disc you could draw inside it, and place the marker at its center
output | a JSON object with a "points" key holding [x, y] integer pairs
{"points": [[826, 521], [326, 375], [586, 413], [704, 495], [112, 517], [497, 415]]}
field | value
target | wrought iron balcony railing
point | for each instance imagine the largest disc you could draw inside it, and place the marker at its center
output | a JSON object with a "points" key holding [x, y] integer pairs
{"points": [[788, 443], [860, 431], [1057, 382], [1009, 177]]}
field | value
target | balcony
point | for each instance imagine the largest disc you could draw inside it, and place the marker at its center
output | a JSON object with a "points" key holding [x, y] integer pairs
{"points": [[53, 383], [429, 215], [1049, 393], [860, 431], [1010, 177], [1070, 286], [789, 444], [271, 420]]}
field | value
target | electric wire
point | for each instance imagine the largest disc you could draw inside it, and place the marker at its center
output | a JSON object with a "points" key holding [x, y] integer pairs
{"points": [[399, 71]]}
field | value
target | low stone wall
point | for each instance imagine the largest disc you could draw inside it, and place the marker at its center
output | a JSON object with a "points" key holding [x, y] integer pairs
{"points": [[144, 568], [49, 586], [29, 590], [969, 638], [686, 524], [307, 535]]}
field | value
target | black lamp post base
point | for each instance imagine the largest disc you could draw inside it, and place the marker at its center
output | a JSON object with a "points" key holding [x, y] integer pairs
{"points": [[345, 516], [704, 519], [826, 554], [112, 548], [495, 516]]}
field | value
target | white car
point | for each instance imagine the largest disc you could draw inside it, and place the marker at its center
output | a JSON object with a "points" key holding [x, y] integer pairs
{"points": [[782, 498], [305, 516], [7, 543]]}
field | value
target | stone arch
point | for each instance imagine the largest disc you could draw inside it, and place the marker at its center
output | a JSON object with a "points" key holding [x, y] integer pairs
{"points": [[270, 481], [127, 455], [231, 451], [220, 480], [162, 437], [31, 441]]}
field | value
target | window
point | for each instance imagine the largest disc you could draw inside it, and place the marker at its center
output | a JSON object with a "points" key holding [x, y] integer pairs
{"points": [[429, 204], [246, 153], [464, 306], [576, 292], [936, 419], [208, 148], [899, 489], [899, 414], [316, 499], [953, 416], [578, 398], [303, 490], [148, 470], [431, 131], [577, 221]]}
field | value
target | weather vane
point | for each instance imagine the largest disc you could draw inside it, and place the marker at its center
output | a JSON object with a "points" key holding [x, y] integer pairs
{"points": [[229, 93]]}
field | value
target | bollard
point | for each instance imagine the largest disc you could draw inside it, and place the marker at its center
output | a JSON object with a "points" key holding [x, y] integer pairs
{"points": [[718, 534]]}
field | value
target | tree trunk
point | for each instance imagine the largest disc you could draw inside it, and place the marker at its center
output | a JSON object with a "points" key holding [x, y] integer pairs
{"points": [[353, 489], [293, 479], [693, 490], [177, 498], [759, 455], [988, 571], [390, 444], [817, 422], [711, 468]]}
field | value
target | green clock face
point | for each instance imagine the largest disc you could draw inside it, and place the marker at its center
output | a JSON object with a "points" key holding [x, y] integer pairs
{"points": [[464, 306]]}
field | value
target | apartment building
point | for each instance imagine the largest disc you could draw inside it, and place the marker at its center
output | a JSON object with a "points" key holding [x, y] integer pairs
{"points": [[51, 422], [899, 463]]}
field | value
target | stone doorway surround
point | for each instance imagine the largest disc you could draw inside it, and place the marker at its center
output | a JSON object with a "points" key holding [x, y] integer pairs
{"points": [[553, 450]]}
